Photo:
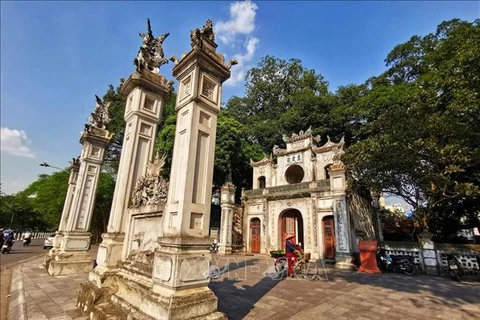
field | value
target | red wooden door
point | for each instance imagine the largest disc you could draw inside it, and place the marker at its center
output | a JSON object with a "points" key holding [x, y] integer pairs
{"points": [[255, 240], [288, 226], [329, 238]]}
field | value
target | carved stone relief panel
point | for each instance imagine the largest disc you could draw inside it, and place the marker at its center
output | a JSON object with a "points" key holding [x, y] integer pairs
{"points": [[337, 183], [255, 208], [341, 226], [209, 89], [144, 232], [186, 88], [325, 203], [194, 269], [149, 103], [162, 268], [196, 221]]}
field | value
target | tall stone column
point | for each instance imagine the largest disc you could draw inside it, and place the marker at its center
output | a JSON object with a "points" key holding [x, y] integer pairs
{"points": [[226, 224], [146, 93], [67, 207], [73, 256], [342, 219], [181, 264]]}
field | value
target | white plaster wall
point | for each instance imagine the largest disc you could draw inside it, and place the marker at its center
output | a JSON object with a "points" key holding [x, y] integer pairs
{"points": [[276, 208], [265, 171], [323, 159]]}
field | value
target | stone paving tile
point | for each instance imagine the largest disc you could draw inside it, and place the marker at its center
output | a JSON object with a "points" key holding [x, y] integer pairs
{"points": [[348, 295], [244, 292]]}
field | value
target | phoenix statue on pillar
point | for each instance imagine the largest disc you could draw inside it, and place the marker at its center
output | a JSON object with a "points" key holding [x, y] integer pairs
{"points": [[150, 55]]}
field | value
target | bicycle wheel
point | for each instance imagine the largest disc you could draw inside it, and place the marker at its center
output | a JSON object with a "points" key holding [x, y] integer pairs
{"points": [[310, 271], [281, 266]]}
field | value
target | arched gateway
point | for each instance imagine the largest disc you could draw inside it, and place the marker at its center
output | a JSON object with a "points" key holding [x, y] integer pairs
{"points": [[302, 192], [290, 221]]}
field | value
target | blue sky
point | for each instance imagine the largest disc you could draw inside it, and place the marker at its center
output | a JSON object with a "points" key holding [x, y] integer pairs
{"points": [[55, 56]]}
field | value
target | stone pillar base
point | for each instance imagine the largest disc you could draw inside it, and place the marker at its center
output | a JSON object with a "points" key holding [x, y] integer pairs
{"points": [[173, 284], [66, 263], [225, 249], [110, 251], [139, 301], [344, 262]]}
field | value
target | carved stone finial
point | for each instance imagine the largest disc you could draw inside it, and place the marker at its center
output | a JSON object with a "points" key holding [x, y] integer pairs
{"points": [[195, 37], [207, 30], [204, 40], [75, 163], [231, 63], [150, 56], [99, 117]]}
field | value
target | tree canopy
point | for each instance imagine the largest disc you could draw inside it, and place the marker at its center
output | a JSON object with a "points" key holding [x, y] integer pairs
{"points": [[281, 97], [418, 136]]}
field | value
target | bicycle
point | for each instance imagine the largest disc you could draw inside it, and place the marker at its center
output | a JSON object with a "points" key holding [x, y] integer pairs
{"points": [[302, 265]]}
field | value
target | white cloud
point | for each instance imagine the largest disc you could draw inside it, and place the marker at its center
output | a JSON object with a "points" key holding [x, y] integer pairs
{"points": [[242, 21], [15, 143], [239, 29], [238, 71]]}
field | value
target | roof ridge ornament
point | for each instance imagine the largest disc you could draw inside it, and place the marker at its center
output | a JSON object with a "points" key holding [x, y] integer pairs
{"points": [[297, 137]]}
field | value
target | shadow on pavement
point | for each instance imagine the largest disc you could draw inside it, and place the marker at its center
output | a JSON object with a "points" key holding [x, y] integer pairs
{"points": [[230, 279], [427, 289]]}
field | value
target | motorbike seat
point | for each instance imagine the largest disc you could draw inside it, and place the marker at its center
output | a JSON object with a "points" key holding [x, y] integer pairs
{"points": [[399, 258]]}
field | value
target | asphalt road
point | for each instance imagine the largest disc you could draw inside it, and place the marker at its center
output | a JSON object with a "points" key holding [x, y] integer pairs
{"points": [[20, 253]]}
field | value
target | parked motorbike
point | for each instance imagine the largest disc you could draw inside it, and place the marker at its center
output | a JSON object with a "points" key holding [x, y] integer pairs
{"points": [[26, 241], [214, 246], [397, 263], [455, 268]]}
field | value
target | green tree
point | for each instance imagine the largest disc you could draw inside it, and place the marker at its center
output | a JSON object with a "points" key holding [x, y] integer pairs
{"points": [[233, 152], [281, 97], [417, 127], [17, 213], [103, 204], [166, 134], [47, 196], [116, 126]]}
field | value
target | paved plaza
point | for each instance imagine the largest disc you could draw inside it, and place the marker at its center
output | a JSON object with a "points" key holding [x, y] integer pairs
{"points": [[246, 290]]}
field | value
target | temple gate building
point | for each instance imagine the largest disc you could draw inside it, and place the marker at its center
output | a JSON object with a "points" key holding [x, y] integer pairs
{"points": [[304, 193]]}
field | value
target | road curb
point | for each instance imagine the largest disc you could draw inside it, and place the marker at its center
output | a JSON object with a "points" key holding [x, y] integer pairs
{"points": [[19, 263], [17, 307]]}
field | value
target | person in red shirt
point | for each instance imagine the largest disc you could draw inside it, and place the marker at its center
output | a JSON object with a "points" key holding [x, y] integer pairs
{"points": [[291, 252]]}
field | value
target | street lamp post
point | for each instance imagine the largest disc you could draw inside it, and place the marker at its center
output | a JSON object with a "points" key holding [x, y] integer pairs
{"points": [[44, 164]]}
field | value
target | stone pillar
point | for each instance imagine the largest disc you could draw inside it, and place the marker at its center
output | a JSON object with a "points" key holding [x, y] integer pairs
{"points": [[67, 207], [181, 264], [341, 218], [73, 256], [428, 253], [146, 93], [226, 224]]}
